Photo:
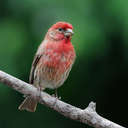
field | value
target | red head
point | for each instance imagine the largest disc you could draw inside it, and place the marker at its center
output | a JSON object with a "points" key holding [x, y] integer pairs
{"points": [[60, 31]]}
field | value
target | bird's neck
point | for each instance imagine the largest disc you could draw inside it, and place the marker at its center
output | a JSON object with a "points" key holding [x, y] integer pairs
{"points": [[64, 45]]}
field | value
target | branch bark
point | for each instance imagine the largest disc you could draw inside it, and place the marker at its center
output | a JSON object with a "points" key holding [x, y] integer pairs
{"points": [[87, 116]]}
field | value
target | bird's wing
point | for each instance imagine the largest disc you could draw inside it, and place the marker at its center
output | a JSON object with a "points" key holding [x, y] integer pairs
{"points": [[34, 64]]}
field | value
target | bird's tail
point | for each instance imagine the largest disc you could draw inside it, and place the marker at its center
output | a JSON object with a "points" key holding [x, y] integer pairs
{"points": [[28, 104]]}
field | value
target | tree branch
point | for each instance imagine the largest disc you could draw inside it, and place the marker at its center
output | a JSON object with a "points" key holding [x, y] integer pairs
{"points": [[87, 116]]}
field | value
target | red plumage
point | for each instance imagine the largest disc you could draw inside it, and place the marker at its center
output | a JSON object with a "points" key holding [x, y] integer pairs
{"points": [[52, 62]]}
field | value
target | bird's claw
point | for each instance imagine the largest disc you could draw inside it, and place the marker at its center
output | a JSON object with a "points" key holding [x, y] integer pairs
{"points": [[54, 95]]}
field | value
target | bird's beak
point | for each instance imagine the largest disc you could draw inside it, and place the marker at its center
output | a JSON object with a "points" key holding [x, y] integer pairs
{"points": [[68, 32]]}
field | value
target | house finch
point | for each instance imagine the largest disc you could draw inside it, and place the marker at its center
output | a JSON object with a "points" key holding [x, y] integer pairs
{"points": [[52, 62]]}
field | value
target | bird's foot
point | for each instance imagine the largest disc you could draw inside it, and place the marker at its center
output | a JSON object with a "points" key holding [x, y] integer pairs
{"points": [[39, 89], [56, 96]]}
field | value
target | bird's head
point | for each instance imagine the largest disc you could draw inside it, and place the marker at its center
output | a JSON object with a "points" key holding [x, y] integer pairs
{"points": [[60, 31]]}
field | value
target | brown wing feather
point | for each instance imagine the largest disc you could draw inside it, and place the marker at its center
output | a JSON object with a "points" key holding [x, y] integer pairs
{"points": [[35, 62]]}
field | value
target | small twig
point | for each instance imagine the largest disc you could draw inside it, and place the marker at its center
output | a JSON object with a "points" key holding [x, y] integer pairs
{"points": [[87, 116]]}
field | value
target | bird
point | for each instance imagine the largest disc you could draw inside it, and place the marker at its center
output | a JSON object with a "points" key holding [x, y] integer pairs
{"points": [[52, 62]]}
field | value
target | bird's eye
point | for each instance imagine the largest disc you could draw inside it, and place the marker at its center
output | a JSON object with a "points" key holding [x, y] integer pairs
{"points": [[60, 29]]}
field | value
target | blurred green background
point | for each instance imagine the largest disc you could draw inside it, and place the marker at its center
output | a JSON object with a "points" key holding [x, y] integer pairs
{"points": [[99, 73]]}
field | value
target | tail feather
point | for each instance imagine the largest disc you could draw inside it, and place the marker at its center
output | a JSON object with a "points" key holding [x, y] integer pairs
{"points": [[28, 104]]}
